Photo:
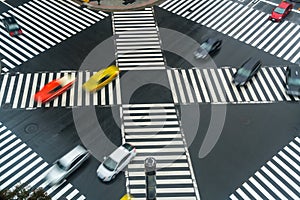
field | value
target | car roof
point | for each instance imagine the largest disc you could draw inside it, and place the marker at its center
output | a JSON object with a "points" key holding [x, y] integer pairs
{"points": [[71, 155], [10, 19], [295, 71], [119, 153]]}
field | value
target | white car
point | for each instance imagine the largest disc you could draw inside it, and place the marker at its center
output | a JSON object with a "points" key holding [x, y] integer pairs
{"points": [[67, 164], [116, 162]]}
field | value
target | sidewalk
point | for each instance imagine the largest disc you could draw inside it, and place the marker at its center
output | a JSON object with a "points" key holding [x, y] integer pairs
{"points": [[117, 5]]}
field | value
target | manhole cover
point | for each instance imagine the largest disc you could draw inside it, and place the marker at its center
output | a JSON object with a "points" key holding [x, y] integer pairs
{"points": [[31, 128]]}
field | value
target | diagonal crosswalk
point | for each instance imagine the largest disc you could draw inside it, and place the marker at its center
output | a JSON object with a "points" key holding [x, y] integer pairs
{"points": [[137, 41], [44, 24], [242, 23], [215, 86], [277, 179], [155, 131], [18, 90], [19, 164]]}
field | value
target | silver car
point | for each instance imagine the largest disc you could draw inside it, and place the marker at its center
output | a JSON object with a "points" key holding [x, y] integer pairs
{"points": [[116, 162], [67, 164]]}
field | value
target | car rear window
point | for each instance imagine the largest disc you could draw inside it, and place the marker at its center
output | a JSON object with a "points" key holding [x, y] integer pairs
{"points": [[127, 146]]}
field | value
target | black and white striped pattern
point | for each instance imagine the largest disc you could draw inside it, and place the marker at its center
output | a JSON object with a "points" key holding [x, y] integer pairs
{"points": [[19, 164], [45, 23], [154, 129], [277, 179], [17, 90], [215, 86], [137, 41], [243, 23]]}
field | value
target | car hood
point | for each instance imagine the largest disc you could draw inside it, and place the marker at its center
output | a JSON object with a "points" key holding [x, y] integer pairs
{"points": [[55, 174], [200, 53], [103, 172], [276, 15], [239, 80], [293, 90]]}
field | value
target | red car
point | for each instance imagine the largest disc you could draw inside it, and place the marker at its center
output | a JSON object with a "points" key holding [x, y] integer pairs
{"points": [[54, 88], [281, 11]]}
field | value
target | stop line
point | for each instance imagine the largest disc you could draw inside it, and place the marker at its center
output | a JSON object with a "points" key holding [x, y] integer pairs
{"points": [[243, 23], [215, 86], [277, 179], [137, 41], [44, 24], [21, 165], [17, 90], [155, 131]]}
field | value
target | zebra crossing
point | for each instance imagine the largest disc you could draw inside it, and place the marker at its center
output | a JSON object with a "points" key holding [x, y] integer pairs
{"points": [[154, 130], [243, 23], [137, 41], [215, 86], [277, 179], [18, 90], [19, 164], [45, 23]]}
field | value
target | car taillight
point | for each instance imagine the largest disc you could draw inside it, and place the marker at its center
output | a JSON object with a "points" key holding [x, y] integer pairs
{"points": [[11, 33], [20, 31]]}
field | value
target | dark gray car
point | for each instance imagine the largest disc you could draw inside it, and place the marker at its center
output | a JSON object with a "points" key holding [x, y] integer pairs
{"points": [[209, 47], [293, 80], [246, 71]]}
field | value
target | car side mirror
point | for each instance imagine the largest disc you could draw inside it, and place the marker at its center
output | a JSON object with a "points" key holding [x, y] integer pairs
{"points": [[104, 158]]}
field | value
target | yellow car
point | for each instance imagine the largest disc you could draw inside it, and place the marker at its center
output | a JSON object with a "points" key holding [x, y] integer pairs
{"points": [[101, 78]]}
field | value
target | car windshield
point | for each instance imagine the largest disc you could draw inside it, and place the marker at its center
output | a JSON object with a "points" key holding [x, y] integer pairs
{"points": [[56, 88], [206, 46], [110, 164], [244, 72], [279, 10], [294, 81], [61, 166], [13, 27], [103, 79]]}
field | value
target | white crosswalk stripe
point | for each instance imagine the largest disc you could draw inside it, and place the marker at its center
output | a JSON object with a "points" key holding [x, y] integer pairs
{"points": [[18, 90], [24, 166], [155, 131], [277, 179], [44, 24], [215, 86], [243, 23], [137, 41]]}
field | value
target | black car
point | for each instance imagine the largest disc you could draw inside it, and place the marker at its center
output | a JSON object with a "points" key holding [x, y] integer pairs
{"points": [[12, 26], [210, 46], [246, 71], [293, 80]]}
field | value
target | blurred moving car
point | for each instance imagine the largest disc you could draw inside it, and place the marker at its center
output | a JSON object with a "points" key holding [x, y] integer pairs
{"points": [[293, 80], [101, 78], [210, 46], [12, 26], [281, 11], [246, 71], [67, 164], [54, 88], [116, 162]]}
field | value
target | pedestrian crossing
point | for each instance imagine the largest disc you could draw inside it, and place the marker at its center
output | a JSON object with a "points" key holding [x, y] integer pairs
{"points": [[154, 130], [277, 179], [215, 86], [243, 23], [18, 90], [137, 41], [19, 164], [45, 23]]}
